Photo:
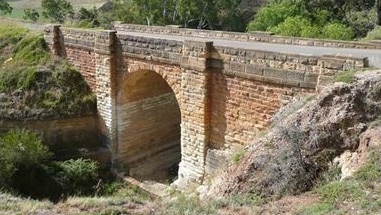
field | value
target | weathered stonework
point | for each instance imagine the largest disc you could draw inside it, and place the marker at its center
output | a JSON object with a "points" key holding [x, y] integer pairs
{"points": [[165, 102], [250, 36]]}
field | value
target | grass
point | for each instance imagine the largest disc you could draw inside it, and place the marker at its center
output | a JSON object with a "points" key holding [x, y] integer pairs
{"points": [[189, 205], [371, 171], [238, 156], [120, 202], [345, 76], [27, 65], [320, 208], [358, 194]]}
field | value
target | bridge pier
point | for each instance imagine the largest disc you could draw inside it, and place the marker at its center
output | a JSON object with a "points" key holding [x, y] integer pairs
{"points": [[195, 106], [106, 85]]}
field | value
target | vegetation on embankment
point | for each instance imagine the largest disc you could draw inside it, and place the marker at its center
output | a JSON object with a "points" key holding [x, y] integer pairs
{"points": [[36, 85]]}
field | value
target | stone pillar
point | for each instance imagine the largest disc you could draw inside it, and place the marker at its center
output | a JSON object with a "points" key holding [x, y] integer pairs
{"points": [[54, 39], [105, 72], [195, 121]]}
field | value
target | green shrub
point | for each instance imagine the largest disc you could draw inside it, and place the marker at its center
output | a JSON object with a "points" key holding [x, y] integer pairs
{"points": [[310, 31], [20, 149], [292, 26], [77, 177], [375, 34], [337, 31], [31, 14], [273, 14]]}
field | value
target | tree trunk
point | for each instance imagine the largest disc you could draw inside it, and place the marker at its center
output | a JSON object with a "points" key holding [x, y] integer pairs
{"points": [[378, 10]]}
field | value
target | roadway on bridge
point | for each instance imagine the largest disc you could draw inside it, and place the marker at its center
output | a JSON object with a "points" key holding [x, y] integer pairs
{"points": [[374, 55]]}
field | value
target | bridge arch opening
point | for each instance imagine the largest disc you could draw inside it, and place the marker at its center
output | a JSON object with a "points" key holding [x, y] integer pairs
{"points": [[149, 120]]}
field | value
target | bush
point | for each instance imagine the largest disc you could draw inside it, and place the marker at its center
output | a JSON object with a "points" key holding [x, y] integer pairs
{"points": [[20, 149], [337, 31], [375, 34], [77, 177], [273, 14], [292, 26], [31, 14]]}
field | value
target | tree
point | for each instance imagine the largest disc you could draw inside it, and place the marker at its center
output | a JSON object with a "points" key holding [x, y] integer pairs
{"points": [[5, 7], [31, 14], [57, 10]]}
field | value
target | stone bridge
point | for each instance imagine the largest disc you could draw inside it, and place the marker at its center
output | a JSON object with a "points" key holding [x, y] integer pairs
{"points": [[169, 97]]}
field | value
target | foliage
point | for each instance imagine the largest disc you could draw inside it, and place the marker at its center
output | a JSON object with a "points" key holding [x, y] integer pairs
{"points": [[31, 14], [20, 149], [87, 18], [273, 14], [337, 31], [375, 34], [57, 10], [293, 26], [343, 20], [5, 7], [210, 14], [77, 177]]}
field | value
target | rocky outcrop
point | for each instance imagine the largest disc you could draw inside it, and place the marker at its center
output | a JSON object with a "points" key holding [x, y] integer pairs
{"points": [[291, 156]]}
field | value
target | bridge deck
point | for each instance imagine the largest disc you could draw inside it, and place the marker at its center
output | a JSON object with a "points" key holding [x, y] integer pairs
{"points": [[373, 55]]}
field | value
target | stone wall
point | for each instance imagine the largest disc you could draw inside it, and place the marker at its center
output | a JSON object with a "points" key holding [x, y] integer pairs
{"points": [[151, 49], [251, 36], [241, 108], [77, 45], [303, 71]]}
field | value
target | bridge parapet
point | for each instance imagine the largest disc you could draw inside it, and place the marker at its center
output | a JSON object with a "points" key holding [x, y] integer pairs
{"points": [[158, 50], [305, 71], [257, 36]]}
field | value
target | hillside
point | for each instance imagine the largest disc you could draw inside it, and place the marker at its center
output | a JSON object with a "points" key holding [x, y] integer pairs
{"points": [[331, 146], [34, 84]]}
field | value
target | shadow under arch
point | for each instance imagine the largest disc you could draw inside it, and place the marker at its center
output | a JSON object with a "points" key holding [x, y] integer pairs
{"points": [[149, 120]]}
